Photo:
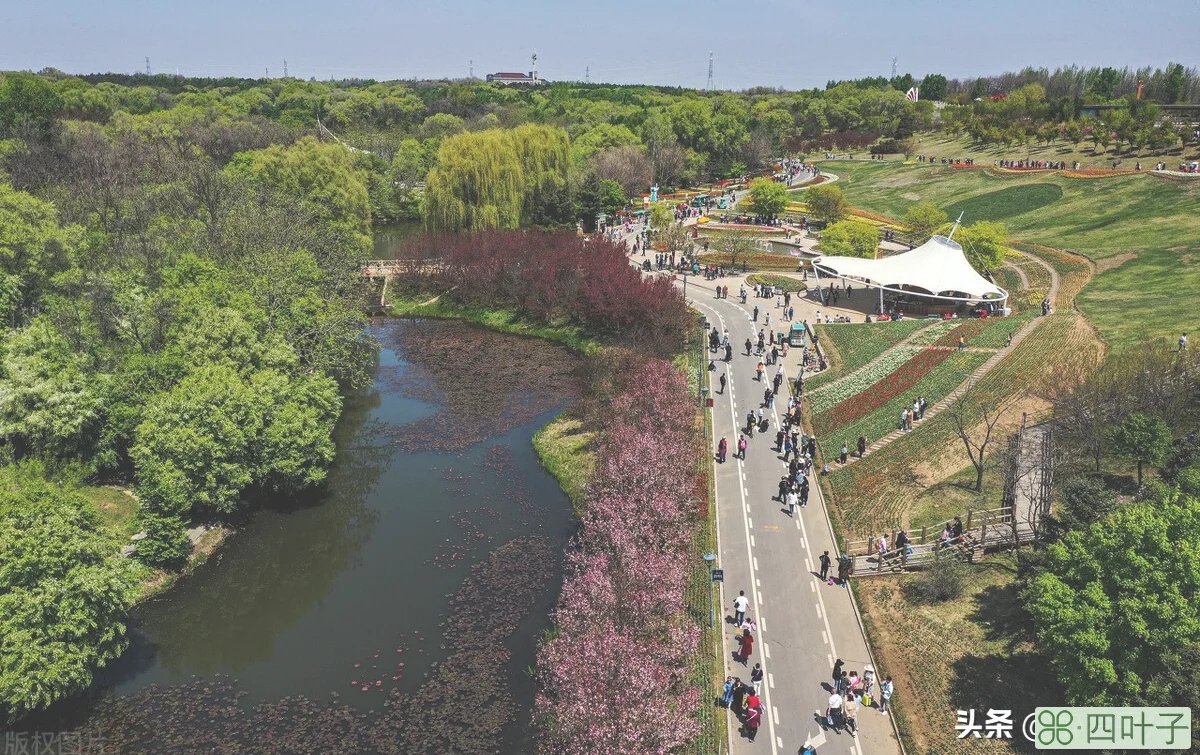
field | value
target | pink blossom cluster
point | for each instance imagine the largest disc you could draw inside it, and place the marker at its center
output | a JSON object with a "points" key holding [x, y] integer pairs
{"points": [[613, 674]]}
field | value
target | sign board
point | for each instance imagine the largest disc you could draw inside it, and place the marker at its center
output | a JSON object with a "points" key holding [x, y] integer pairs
{"points": [[708, 402], [718, 575]]}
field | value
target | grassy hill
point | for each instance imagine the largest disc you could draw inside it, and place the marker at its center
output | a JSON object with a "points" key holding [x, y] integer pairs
{"points": [[1143, 231]]}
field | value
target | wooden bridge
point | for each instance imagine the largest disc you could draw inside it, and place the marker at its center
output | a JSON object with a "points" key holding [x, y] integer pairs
{"points": [[386, 270]]}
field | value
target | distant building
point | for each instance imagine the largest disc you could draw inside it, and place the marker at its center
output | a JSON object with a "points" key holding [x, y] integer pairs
{"points": [[516, 78]]}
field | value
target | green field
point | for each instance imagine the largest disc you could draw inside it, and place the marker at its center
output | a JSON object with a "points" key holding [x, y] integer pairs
{"points": [[1154, 295], [1005, 203]]}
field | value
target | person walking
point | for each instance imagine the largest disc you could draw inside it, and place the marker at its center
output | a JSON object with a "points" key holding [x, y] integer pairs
{"points": [[792, 499], [833, 707], [742, 448], [749, 347], [845, 453], [722, 381], [850, 714], [885, 695], [1182, 344], [837, 665], [740, 604], [727, 698], [862, 446], [747, 641], [755, 316], [722, 448], [753, 719], [756, 677], [825, 562]]}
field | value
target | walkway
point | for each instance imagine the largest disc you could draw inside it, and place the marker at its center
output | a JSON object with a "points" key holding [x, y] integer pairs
{"points": [[804, 624]]}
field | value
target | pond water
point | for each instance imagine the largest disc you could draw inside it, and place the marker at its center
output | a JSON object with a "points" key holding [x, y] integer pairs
{"points": [[389, 238], [346, 622]]}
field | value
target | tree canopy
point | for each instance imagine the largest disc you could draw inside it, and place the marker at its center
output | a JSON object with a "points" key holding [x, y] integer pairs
{"points": [[851, 238], [827, 202], [923, 220], [769, 197]]}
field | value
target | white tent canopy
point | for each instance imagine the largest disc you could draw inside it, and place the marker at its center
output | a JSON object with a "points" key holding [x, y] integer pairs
{"points": [[937, 269]]}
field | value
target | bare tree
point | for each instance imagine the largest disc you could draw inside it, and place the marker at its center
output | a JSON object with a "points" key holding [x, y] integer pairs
{"points": [[628, 166], [736, 244], [975, 418]]}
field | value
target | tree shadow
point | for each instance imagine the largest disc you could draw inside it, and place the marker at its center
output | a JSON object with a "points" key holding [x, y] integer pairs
{"points": [[1017, 682], [999, 610]]}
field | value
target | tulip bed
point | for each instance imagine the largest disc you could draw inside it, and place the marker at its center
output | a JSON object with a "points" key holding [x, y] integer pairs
{"points": [[876, 412], [849, 346], [930, 335], [825, 398]]}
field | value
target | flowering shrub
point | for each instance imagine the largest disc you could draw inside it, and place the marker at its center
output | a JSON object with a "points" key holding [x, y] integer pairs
{"points": [[833, 394], [620, 623], [555, 275], [881, 392]]}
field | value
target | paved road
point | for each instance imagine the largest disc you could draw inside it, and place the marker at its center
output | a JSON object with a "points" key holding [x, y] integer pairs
{"points": [[804, 624]]}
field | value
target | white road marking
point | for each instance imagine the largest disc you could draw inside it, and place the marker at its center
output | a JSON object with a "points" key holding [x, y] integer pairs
{"points": [[771, 681], [775, 714], [766, 650], [750, 523], [755, 559], [752, 541], [812, 586], [824, 637], [818, 610]]}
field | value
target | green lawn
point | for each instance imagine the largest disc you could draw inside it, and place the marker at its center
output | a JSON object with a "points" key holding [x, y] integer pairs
{"points": [[116, 509], [945, 145], [857, 344], [1156, 294], [1003, 204]]}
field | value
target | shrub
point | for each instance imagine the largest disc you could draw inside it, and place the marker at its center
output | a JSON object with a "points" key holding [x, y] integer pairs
{"points": [[945, 580], [166, 545]]}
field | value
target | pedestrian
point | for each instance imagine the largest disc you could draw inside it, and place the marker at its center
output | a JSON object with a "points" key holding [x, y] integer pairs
{"points": [[722, 447], [1182, 344], [759, 370], [722, 381], [833, 707], [739, 695], [756, 676], [792, 499], [755, 317], [727, 698], [783, 486], [740, 604], [962, 344], [825, 562], [850, 714], [837, 665], [862, 446], [845, 454], [753, 719], [885, 695], [749, 346], [742, 448], [747, 641]]}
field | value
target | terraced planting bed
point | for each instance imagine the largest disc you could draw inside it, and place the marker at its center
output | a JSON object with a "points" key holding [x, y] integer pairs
{"points": [[876, 411], [1074, 271], [849, 346], [929, 336], [988, 332], [830, 395]]}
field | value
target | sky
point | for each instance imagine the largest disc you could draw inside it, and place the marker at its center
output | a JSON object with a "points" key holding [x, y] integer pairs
{"points": [[793, 44]]}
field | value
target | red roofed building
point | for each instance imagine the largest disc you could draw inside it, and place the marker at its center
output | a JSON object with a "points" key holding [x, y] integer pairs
{"points": [[516, 78]]}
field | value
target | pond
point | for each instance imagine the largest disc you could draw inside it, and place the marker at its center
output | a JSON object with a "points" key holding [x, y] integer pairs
{"points": [[398, 609], [389, 238]]}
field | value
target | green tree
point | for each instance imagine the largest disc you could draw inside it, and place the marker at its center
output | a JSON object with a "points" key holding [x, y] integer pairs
{"points": [[28, 106], [769, 197], [32, 250], [494, 178], [1174, 83], [923, 220], [598, 195], [325, 175], [736, 243], [64, 592], [1145, 439], [827, 202], [984, 244], [933, 87], [1114, 601], [851, 238], [1073, 133]]}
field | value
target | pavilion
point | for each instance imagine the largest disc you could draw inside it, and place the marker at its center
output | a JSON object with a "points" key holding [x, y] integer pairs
{"points": [[936, 270]]}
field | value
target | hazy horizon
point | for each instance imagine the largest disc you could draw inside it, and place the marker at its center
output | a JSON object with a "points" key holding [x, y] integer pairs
{"points": [[665, 44]]}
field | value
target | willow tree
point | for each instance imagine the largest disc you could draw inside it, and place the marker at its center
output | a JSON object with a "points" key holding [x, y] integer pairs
{"points": [[494, 178]]}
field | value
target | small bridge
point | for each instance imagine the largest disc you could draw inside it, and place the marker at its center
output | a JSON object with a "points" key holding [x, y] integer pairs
{"points": [[386, 270]]}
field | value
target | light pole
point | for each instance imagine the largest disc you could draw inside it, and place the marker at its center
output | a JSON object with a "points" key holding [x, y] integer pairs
{"points": [[712, 580]]}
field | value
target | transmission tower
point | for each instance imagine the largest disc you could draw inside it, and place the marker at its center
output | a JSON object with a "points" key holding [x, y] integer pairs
{"points": [[894, 60], [587, 74], [148, 65], [285, 68], [470, 69], [710, 86], [268, 73]]}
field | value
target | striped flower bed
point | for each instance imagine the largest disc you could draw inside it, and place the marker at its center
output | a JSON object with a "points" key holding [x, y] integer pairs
{"points": [[824, 399], [965, 330], [929, 336], [880, 393]]}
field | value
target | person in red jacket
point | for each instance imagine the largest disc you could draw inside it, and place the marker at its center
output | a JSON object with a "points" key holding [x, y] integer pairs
{"points": [[753, 719], [747, 646]]}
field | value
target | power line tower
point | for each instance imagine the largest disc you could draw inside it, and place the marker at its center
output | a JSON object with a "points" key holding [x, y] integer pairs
{"points": [[268, 72], [148, 66], [285, 68], [894, 60], [587, 74], [471, 69], [710, 86]]}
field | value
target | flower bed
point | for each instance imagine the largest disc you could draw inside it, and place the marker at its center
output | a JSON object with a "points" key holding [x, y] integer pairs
{"points": [[966, 330], [788, 283], [824, 399], [754, 261], [621, 623], [855, 344], [880, 392], [839, 425], [929, 336]]}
